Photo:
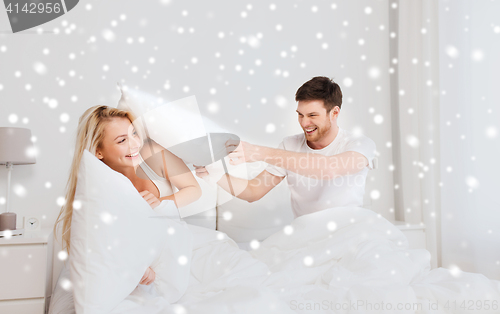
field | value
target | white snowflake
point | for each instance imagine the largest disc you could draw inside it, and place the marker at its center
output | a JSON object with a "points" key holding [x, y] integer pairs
{"points": [[288, 230], [64, 117], [281, 101], [374, 72], [472, 182], [77, 204], [106, 217], [270, 128], [19, 190], [40, 68], [108, 35], [308, 261], [375, 194], [455, 271], [477, 55], [61, 201], [254, 244], [452, 51], [62, 255], [227, 216], [13, 118], [491, 132], [253, 41], [182, 260], [331, 225], [347, 82], [412, 140]]}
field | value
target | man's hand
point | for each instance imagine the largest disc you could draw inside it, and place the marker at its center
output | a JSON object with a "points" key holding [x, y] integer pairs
{"points": [[149, 277], [150, 198], [243, 152]]}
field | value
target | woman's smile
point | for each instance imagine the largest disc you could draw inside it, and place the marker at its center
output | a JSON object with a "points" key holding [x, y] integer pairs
{"points": [[132, 156]]}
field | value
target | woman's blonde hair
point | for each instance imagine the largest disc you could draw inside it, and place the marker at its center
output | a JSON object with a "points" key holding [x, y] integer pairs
{"points": [[90, 134]]}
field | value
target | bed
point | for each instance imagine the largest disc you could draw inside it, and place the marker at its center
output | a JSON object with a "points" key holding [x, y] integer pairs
{"points": [[334, 261], [338, 260]]}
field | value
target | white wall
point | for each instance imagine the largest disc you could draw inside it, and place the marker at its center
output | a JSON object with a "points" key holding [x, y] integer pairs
{"points": [[353, 44], [470, 122]]}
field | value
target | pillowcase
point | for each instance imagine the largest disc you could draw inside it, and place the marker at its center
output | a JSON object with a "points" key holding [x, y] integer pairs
{"points": [[116, 236]]}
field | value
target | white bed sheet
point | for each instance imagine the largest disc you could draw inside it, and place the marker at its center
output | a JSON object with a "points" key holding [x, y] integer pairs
{"points": [[328, 261]]}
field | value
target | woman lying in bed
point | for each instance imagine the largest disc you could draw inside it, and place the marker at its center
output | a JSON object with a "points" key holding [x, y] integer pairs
{"points": [[109, 134]]}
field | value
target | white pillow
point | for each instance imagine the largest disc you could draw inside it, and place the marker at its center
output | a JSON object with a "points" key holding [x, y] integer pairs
{"points": [[61, 301], [116, 236], [169, 124]]}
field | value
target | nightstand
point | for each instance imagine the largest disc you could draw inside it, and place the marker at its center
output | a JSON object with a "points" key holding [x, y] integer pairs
{"points": [[26, 273]]}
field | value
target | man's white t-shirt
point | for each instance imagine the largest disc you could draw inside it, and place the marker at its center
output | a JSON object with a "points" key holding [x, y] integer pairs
{"points": [[310, 195]]}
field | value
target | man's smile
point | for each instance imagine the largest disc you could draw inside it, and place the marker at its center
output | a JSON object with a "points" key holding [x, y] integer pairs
{"points": [[310, 130]]}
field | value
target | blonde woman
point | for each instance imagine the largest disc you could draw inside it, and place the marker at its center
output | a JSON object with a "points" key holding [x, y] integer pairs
{"points": [[110, 135]]}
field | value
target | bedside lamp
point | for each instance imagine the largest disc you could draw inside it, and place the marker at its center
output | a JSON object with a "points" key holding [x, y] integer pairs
{"points": [[16, 148]]}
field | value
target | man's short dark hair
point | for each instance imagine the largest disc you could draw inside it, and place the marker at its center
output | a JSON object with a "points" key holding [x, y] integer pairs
{"points": [[321, 88]]}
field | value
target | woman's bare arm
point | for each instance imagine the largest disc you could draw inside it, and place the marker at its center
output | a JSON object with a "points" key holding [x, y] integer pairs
{"points": [[181, 177], [171, 167]]}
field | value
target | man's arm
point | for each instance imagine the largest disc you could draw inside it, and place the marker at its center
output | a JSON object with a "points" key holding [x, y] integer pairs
{"points": [[248, 190], [306, 164]]}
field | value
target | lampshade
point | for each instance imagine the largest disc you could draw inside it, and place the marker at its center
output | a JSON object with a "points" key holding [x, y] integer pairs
{"points": [[16, 146]]}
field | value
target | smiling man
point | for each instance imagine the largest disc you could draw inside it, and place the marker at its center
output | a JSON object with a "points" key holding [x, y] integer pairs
{"points": [[325, 166]]}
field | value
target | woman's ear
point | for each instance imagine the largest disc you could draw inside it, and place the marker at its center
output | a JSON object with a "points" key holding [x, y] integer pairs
{"points": [[99, 155]]}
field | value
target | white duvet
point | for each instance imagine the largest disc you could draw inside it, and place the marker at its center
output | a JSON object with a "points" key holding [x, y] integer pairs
{"points": [[339, 260]]}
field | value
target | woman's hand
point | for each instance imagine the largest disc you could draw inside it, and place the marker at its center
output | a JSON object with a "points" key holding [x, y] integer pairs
{"points": [[240, 152], [211, 173], [149, 277], [150, 198], [201, 171]]}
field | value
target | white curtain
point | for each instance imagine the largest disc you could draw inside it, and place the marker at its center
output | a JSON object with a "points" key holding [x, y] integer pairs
{"points": [[446, 100], [469, 50], [415, 106]]}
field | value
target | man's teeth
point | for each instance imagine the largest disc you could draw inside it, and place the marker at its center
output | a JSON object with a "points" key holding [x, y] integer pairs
{"points": [[310, 130], [133, 155]]}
